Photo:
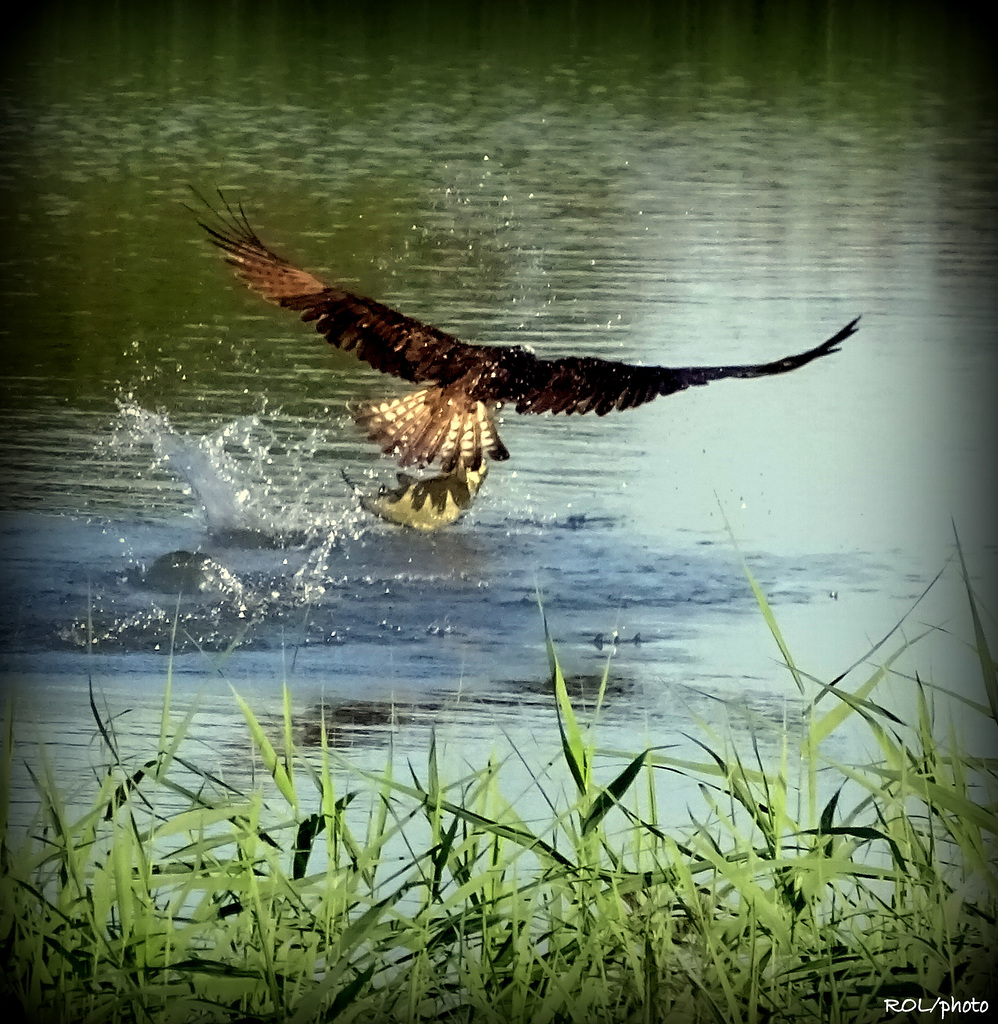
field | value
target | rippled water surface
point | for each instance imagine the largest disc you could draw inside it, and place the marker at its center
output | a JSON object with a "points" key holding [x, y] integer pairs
{"points": [[680, 192]]}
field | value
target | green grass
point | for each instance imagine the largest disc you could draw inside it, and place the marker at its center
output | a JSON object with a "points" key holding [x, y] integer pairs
{"points": [[404, 896]]}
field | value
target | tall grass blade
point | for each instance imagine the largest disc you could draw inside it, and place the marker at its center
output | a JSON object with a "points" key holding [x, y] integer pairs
{"points": [[572, 744], [271, 761], [614, 792], [989, 671], [770, 619]]}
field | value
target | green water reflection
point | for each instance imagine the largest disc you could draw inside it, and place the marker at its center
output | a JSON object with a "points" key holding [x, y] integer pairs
{"points": [[356, 122], [665, 183]]}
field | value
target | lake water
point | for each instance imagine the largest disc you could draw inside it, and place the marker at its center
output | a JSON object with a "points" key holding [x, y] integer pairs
{"points": [[684, 187]]}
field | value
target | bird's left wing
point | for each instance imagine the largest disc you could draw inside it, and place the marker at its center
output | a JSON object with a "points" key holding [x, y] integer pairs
{"points": [[387, 340]]}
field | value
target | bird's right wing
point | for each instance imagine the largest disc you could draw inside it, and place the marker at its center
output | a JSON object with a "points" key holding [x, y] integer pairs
{"points": [[580, 384]]}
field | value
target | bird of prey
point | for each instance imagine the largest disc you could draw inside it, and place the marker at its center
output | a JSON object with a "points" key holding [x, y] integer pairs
{"points": [[450, 421]]}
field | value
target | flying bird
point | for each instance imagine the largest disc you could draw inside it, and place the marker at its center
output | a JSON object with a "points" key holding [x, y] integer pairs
{"points": [[450, 420]]}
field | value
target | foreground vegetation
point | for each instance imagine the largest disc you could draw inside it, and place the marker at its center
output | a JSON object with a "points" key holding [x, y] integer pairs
{"points": [[410, 898]]}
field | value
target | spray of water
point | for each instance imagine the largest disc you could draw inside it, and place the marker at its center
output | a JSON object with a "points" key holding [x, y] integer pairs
{"points": [[275, 513], [270, 476]]}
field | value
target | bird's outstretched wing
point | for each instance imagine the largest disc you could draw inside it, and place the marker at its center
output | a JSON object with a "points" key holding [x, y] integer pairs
{"points": [[418, 352], [580, 384], [387, 340]]}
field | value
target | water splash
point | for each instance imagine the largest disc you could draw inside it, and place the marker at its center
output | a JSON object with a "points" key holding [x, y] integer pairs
{"points": [[253, 486], [275, 516], [200, 461]]}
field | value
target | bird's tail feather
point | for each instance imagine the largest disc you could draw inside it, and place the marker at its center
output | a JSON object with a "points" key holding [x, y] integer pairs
{"points": [[433, 425]]}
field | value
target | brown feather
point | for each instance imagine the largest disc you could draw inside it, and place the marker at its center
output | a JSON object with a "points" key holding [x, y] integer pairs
{"points": [[451, 421]]}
